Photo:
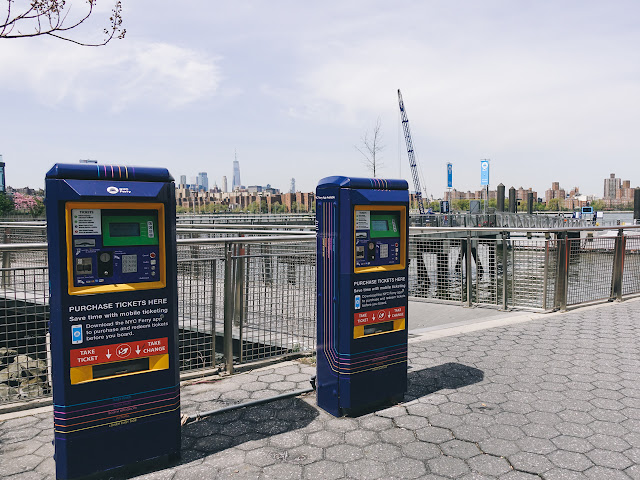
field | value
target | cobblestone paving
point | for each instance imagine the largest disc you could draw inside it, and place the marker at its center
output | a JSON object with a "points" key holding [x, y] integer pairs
{"points": [[557, 398]]}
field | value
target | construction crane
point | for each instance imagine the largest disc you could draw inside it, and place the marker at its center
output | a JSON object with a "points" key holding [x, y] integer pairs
{"points": [[412, 157]]}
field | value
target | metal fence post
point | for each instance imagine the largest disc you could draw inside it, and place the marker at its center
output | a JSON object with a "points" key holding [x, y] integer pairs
{"points": [[545, 281], [6, 260], [212, 332], [562, 275], [469, 279], [228, 310], [505, 261], [241, 296], [239, 289], [618, 267], [6, 265]]}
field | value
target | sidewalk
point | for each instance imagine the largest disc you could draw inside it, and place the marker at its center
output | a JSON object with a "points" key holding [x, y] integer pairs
{"points": [[556, 397]]}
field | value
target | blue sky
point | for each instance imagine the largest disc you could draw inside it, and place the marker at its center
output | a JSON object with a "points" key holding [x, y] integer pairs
{"points": [[548, 90]]}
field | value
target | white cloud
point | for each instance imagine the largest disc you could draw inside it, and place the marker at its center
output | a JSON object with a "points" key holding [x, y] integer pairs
{"points": [[115, 77]]}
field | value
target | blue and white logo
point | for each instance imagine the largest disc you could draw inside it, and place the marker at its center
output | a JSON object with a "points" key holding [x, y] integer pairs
{"points": [[76, 334], [449, 175], [357, 302], [484, 172]]}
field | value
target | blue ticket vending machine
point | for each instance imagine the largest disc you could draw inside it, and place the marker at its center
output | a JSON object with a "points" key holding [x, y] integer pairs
{"points": [[113, 322], [362, 251]]}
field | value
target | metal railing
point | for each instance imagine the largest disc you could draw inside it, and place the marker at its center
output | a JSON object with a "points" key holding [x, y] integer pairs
{"points": [[545, 269], [248, 218], [242, 299], [23, 232], [499, 219]]}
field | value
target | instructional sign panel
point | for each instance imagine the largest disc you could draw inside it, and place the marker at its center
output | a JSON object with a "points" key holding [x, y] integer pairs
{"points": [[363, 220], [86, 222], [380, 291]]}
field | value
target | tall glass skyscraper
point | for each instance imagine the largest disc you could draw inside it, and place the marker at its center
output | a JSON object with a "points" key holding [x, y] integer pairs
{"points": [[202, 181], [236, 175], [2, 185]]}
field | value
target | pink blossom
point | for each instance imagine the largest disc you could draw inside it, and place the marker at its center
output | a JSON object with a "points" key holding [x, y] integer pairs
{"points": [[25, 203]]}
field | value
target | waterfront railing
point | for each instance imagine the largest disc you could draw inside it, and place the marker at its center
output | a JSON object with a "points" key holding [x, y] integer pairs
{"points": [[249, 298]]}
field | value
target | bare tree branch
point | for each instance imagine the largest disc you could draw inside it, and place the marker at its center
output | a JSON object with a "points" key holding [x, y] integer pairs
{"points": [[371, 148], [52, 17]]}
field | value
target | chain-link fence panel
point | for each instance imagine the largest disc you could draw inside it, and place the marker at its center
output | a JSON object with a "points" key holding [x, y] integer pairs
{"points": [[485, 270], [24, 315], [590, 268], [436, 268], [200, 312], [275, 299], [631, 272], [528, 262]]}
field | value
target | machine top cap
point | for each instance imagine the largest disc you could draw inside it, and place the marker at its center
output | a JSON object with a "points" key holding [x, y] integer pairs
{"points": [[369, 183], [88, 171]]}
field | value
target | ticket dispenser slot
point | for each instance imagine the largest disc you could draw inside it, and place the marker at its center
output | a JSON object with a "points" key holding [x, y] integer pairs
{"points": [[113, 317], [362, 245]]}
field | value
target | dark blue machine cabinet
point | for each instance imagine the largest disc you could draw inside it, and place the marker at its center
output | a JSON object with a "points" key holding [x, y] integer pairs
{"points": [[114, 321], [362, 258]]}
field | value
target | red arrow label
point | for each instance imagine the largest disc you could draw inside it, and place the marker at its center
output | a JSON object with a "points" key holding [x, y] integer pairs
{"points": [[118, 352], [377, 316]]}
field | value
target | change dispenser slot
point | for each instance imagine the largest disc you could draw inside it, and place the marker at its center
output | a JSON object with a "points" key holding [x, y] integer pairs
{"points": [[120, 368], [378, 328], [104, 371], [360, 331]]}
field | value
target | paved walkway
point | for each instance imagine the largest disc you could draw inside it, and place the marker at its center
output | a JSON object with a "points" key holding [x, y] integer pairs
{"points": [[557, 397]]}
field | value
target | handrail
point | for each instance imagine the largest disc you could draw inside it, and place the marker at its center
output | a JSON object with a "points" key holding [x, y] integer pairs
{"points": [[519, 229], [10, 247], [13, 247], [35, 224], [199, 226], [242, 230], [223, 240], [311, 236]]}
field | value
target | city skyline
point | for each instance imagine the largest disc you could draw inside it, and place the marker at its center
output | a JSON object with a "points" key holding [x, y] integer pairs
{"points": [[545, 90], [616, 192]]}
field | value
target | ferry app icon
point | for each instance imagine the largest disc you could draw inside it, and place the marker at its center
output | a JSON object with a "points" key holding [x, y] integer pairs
{"points": [[76, 334]]}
